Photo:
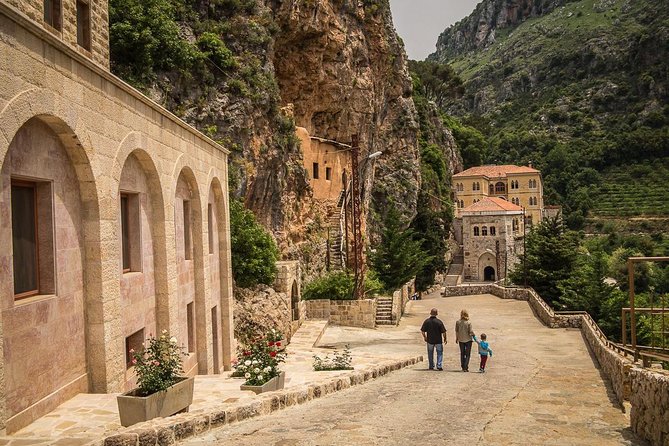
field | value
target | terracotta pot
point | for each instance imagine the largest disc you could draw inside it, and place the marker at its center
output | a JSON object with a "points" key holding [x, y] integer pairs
{"points": [[134, 409], [275, 383]]}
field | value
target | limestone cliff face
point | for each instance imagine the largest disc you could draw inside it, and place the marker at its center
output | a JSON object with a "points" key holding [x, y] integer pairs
{"points": [[343, 67], [478, 30]]}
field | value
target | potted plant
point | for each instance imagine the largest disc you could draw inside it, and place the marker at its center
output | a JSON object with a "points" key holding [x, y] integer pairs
{"points": [[161, 391], [259, 364]]}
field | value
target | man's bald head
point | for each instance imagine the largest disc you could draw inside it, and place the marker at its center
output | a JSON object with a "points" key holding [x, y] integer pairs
{"points": [[433, 312]]}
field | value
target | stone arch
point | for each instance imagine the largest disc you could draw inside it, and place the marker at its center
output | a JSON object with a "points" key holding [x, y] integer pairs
{"points": [[42, 108], [225, 301], [486, 260], [190, 263], [138, 173]]}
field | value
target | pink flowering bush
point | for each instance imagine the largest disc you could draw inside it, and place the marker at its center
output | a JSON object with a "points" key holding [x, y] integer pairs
{"points": [[158, 364], [259, 361]]}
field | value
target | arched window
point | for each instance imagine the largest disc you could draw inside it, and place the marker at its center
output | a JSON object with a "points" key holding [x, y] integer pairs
{"points": [[484, 231], [476, 231], [493, 230], [500, 188], [491, 189], [516, 183], [514, 224], [462, 203]]}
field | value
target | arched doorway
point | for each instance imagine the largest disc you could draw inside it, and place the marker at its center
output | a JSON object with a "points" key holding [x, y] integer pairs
{"points": [[489, 274], [294, 302]]}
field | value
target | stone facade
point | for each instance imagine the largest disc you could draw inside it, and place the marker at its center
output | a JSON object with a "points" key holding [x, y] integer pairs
{"points": [[350, 313], [327, 165], [647, 390], [400, 299], [520, 185], [92, 148], [288, 281]]}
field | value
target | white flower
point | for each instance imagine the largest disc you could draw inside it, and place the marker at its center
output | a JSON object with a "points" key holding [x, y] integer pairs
{"points": [[259, 377], [173, 340], [247, 375], [254, 362], [267, 369], [247, 362], [256, 370]]}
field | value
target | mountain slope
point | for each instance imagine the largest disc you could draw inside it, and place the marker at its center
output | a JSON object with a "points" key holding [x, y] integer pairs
{"points": [[577, 90]]}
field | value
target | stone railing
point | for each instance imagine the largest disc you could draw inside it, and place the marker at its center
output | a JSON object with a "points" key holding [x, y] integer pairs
{"points": [[351, 313], [400, 299], [646, 389]]}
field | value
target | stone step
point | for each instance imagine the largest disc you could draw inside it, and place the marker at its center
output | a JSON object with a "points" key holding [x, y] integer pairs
{"points": [[384, 323]]}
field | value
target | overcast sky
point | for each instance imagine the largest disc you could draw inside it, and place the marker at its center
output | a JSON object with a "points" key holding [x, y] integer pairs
{"points": [[419, 22]]}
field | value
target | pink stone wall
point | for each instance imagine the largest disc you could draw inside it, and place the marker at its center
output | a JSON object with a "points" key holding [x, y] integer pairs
{"points": [[44, 336], [138, 299], [214, 279], [185, 272]]}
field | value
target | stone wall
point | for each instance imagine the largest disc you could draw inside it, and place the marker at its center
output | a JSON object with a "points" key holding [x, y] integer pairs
{"points": [[92, 137], [649, 397], [400, 299], [647, 390], [350, 313]]}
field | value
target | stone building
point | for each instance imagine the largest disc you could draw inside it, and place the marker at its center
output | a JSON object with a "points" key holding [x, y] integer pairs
{"points": [[113, 217], [327, 164], [492, 234], [520, 185]]}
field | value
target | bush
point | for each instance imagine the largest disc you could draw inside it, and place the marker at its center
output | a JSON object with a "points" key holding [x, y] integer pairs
{"points": [[339, 286], [254, 252], [158, 365], [339, 361]]}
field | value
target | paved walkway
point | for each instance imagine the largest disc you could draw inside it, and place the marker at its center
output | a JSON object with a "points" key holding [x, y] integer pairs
{"points": [[88, 418], [542, 388]]}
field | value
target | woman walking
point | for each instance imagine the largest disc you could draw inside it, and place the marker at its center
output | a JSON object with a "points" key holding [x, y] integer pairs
{"points": [[464, 335]]}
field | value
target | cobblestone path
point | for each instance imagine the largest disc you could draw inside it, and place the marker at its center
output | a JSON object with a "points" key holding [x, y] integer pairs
{"points": [[542, 388]]}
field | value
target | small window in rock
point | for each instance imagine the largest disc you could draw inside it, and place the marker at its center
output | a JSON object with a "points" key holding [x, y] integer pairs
{"points": [[315, 171], [328, 173]]}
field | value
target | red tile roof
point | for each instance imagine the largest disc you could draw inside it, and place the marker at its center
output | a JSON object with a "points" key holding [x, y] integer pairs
{"points": [[492, 171], [492, 204]]}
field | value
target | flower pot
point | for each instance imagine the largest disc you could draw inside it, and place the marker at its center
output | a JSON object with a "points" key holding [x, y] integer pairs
{"points": [[134, 409], [275, 383]]}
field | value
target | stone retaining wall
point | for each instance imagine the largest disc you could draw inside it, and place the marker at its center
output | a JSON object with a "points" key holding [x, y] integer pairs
{"points": [[350, 313], [400, 299], [647, 390], [649, 397], [169, 431]]}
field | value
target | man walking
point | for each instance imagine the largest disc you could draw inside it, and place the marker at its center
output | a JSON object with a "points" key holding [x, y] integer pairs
{"points": [[432, 331]]}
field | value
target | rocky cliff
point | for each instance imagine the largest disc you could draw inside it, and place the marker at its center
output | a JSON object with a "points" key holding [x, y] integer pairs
{"points": [[479, 29]]}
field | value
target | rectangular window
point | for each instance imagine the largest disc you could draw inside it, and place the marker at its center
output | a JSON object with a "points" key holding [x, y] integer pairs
{"points": [[187, 235], [190, 323], [214, 335], [210, 228], [32, 238], [52, 14], [315, 171], [328, 173], [134, 342], [84, 24], [24, 239], [130, 233]]}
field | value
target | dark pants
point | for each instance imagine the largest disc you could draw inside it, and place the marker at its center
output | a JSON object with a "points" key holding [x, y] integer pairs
{"points": [[484, 359], [465, 354]]}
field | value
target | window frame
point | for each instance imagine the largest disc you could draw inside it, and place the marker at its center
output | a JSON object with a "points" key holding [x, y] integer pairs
{"points": [[15, 182], [56, 9], [476, 231], [314, 171], [187, 235], [84, 40]]}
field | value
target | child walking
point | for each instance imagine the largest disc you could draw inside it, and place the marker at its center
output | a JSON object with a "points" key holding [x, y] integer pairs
{"points": [[484, 351]]}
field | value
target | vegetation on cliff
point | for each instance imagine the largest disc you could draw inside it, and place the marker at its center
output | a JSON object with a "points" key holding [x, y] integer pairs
{"points": [[580, 92]]}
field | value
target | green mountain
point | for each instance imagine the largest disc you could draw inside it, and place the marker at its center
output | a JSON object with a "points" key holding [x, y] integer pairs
{"points": [[579, 88]]}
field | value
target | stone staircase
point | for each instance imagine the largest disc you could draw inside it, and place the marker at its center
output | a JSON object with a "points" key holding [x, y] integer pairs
{"points": [[384, 311], [454, 274], [337, 261]]}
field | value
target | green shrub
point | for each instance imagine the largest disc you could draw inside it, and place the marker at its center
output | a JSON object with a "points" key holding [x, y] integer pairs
{"points": [[338, 361], [254, 252], [338, 285]]}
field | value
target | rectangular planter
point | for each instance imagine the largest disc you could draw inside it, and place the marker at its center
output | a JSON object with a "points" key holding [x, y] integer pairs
{"points": [[275, 383], [135, 409]]}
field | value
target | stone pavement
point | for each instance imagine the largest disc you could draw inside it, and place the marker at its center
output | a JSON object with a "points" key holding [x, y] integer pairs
{"points": [[89, 418], [542, 387]]}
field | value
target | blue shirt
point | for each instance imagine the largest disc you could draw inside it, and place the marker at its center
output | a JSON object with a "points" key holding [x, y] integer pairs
{"points": [[484, 349]]}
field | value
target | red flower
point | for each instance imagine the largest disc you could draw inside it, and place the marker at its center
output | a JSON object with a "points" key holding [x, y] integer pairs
{"points": [[278, 343], [247, 353], [272, 354], [270, 343]]}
